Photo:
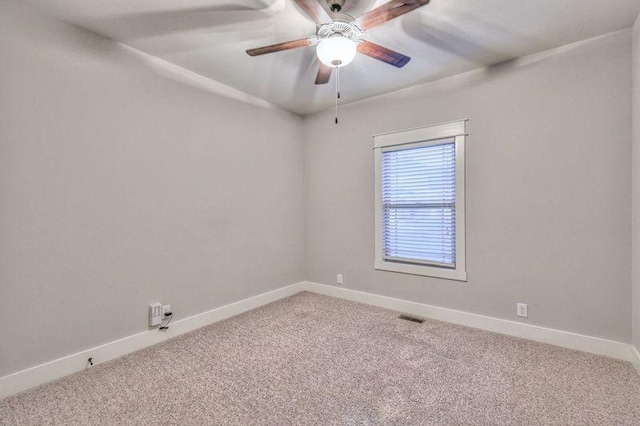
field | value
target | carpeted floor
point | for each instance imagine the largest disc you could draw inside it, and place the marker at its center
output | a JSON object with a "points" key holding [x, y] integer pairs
{"points": [[312, 359]]}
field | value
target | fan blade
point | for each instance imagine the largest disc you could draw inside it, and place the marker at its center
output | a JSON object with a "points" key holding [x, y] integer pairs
{"points": [[383, 54], [279, 47], [324, 73], [314, 10], [388, 11]]}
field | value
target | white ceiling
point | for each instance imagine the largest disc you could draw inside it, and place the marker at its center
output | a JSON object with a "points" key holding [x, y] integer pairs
{"points": [[443, 38]]}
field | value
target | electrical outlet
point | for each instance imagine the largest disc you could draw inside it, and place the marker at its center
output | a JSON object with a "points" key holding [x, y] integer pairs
{"points": [[521, 310], [166, 309], [339, 279], [155, 314]]}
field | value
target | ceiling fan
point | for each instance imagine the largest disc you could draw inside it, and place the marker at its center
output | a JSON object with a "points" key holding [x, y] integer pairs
{"points": [[339, 36]]}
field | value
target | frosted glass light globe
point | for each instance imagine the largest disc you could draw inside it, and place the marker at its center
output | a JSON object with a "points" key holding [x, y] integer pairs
{"points": [[336, 51]]}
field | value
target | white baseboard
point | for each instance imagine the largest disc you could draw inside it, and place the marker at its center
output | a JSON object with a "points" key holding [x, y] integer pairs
{"points": [[552, 336], [636, 358], [43, 373]]}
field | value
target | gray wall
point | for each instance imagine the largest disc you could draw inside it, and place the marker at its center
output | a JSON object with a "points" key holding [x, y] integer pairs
{"points": [[548, 188], [119, 187], [636, 187]]}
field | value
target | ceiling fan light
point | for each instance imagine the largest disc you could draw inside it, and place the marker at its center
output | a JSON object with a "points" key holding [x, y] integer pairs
{"points": [[336, 51]]}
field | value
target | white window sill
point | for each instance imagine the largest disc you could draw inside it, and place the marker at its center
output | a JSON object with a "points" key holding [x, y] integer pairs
{"points": [[427, 271]]}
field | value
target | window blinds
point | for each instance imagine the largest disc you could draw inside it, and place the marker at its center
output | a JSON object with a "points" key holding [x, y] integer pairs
{"points": [[419, 210]]}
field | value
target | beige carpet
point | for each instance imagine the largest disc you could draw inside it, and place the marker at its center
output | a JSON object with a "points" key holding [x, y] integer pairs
{"points": [[312, 359]]}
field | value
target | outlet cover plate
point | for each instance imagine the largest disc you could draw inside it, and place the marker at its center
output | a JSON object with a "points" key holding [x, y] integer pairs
{"points": [[522, 310], [165, 309]]}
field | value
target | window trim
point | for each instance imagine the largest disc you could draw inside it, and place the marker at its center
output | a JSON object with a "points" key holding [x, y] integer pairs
{"points": [[422, 136]]}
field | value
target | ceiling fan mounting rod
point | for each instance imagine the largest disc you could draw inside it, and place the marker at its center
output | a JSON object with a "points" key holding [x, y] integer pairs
{"points": [[335, 5]]}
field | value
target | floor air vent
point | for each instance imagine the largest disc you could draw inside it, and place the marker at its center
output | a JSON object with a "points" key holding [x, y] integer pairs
{"points": [[412, 319]]}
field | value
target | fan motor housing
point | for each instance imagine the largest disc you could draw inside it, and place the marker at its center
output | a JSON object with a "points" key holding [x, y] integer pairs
{"points": [[342, 25]]}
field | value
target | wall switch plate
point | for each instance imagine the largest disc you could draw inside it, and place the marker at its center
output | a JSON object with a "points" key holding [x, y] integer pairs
{"points": [[155, 314], [521, 310], [339, 279]]}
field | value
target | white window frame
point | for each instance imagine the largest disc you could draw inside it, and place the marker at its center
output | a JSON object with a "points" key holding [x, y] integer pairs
{"points": [[424, 136]]}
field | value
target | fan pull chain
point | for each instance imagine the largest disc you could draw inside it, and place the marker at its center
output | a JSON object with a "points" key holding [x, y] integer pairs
{"points": [[337, 91]]}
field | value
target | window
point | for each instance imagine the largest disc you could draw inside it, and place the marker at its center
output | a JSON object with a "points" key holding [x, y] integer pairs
{"points": [[420, 201]]}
